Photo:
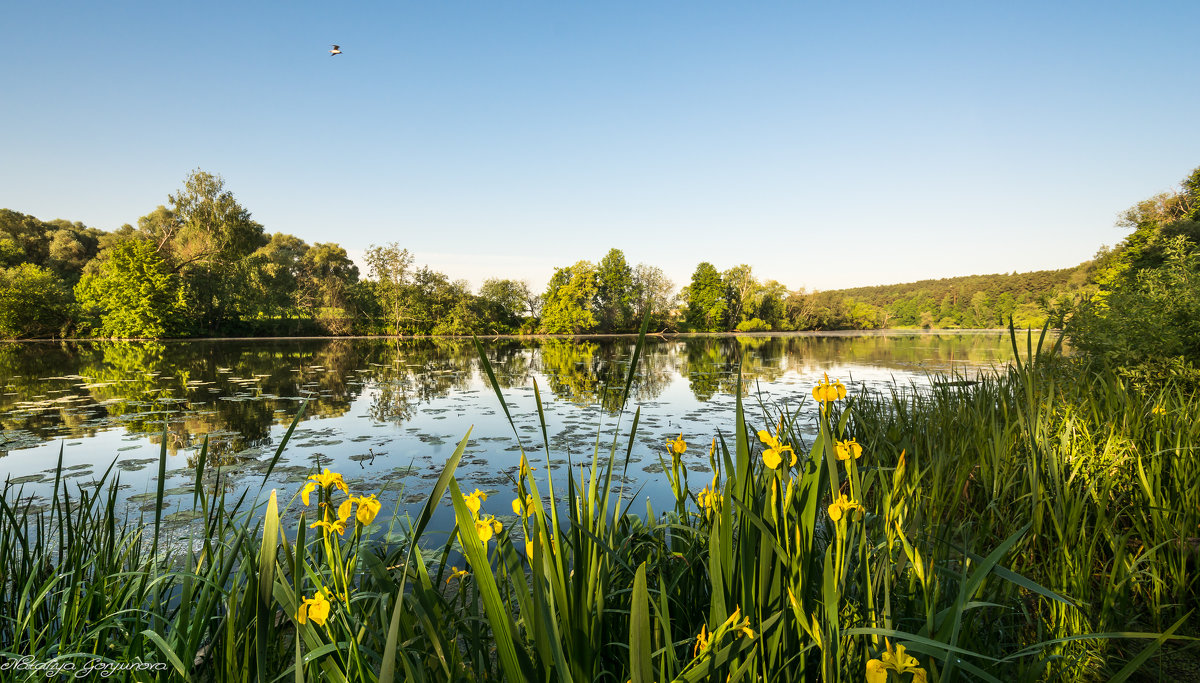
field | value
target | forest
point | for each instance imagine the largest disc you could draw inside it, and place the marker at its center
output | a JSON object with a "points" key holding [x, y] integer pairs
{"points": [[201, 266]]}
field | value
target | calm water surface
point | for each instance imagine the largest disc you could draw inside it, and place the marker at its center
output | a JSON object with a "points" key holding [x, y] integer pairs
{"points": [[387, 413]]}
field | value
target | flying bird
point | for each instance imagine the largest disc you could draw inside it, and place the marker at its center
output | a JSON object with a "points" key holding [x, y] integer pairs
{"points": [[335, 51]]}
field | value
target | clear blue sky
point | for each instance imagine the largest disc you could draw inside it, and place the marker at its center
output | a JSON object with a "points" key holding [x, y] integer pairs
{"points": [[826, 144]]}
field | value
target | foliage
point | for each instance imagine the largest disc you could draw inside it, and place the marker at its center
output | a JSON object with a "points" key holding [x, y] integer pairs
{"points": [[34, 302], [1143, 319], [705, 297], [614, 293], [653, 296], [390, 267], [567, 304], [1150, 319], [753, 325], [135, 293]]}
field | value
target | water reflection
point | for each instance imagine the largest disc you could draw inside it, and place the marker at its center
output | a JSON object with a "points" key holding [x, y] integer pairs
{"points": [[236, 391]]}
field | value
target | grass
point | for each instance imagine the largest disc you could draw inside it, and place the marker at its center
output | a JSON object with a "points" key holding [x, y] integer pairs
{"points": [[1040, 523]]}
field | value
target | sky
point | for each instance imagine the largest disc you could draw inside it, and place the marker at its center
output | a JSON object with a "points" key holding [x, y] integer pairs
{"points": [[827, 144]]}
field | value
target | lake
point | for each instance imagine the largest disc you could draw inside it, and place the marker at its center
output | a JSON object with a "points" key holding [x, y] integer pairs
{"points": [[387, 413]]}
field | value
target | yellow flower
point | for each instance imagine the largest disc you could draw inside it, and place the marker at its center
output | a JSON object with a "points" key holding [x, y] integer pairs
{"points": [[767, 439], [842, 505], [456, 573], [705, 501], [773, 457], [876, 671], [338, 525], [522, 508], [775, 450], [529, 549], [894, 659], [368, 507], [327, 479], [1159, 410], [826, 392], [849, 449], [744, 627], [678, 446], [702, 641], [475, 500], [316, 608], [487, 527], [308, 488]]}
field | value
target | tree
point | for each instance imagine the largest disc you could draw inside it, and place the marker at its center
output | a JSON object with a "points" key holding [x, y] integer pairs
{"points": [[134, 294], [1155, 222], [326, 275], [390, 269], [503, 302], [614, 293], [205, 234], [652, 296], [277, 273], [739, 287], [34, 302], [706, 303], [569, 300]]}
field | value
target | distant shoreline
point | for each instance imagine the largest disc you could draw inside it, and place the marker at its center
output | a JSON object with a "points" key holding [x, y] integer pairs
{"points": [[632, 335]]}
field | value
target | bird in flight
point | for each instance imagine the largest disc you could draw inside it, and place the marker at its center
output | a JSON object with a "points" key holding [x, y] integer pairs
{"points": [[335, 51]]}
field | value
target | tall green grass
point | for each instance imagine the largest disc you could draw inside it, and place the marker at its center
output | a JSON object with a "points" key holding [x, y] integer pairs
{"points": [[1039, 523]]}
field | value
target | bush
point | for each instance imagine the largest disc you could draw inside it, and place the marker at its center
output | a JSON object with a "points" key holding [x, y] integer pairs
{"points": [[1147, 319], [754, 325]]}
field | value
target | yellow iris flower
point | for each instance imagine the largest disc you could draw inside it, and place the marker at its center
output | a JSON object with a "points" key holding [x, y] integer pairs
{"points": [[487, 527], [825, 392], [773, 457], [315, 608], [702, 641], [876, 671], [678, 446], [894, 659], [475, 500], [849, 449], [338, 525], [456, 573], [775, 450], [522, 507], [367, 508], [843, 505], [323, 480]]}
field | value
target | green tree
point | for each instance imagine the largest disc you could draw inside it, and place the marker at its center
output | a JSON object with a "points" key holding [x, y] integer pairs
{"points": [[277, 271], [34, 302], [614, 293], [739, 290], [1155, 222], [326, 277], [390, 269], [706, 305], [569, 300], [653, 296], [503, 304], [205, 234], [134, 294]]}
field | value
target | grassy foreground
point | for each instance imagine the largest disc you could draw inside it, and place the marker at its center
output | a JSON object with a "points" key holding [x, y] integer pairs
{"points": [[1041, 524]]}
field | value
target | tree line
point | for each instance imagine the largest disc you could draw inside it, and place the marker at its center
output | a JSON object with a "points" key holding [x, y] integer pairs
{"points": [[200, 265]]}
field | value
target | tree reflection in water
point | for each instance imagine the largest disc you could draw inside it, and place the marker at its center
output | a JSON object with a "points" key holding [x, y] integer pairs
{"points": [[237, 391]]}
